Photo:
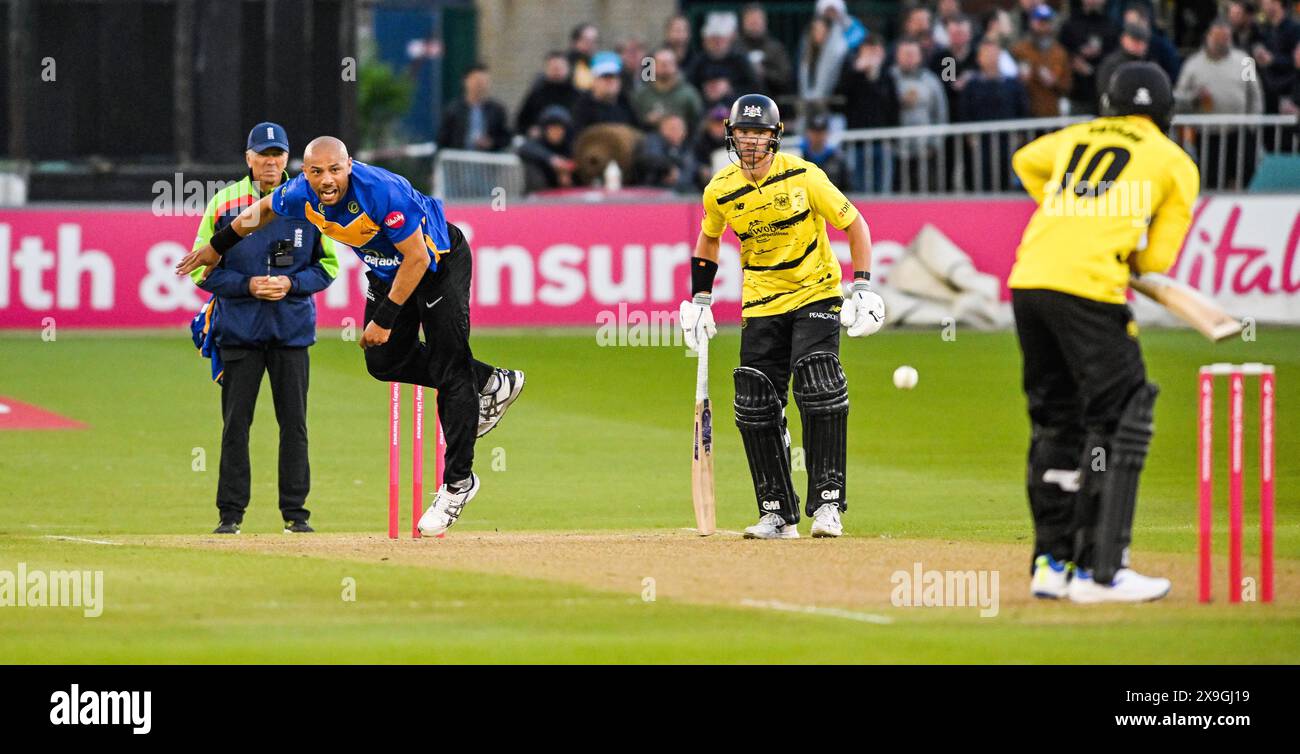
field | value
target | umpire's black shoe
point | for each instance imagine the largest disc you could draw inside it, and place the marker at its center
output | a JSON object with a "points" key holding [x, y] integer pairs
{"points": [[226, 528], [297, 527]]}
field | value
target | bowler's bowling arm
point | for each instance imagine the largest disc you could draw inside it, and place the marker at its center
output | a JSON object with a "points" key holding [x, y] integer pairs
{"points": [[254, 217]]}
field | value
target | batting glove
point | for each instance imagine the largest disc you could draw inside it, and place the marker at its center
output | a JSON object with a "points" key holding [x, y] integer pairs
{"points": [[696, 317], [863, 312]]}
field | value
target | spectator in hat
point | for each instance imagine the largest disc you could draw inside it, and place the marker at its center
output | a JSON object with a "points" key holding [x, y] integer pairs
{"points": [[1160, 50], [1089, 36], [603, 104], [817, 149], [664, 160], [475, 121], [720, 58], [1044, 64], [666, 94], [768, 57], [548, 157], [552, 87], [1133, 46], [841, 23]]}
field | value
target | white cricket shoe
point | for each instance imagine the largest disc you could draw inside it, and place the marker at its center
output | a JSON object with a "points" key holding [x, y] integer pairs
{"points": [[771, 526], [826, 521], [503, 388], [1051, 579], [1128, 586], [446, 508]]}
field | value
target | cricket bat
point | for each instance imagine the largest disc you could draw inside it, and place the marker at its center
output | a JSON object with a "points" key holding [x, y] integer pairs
{"points": [[702, 458], [1187, 304]]}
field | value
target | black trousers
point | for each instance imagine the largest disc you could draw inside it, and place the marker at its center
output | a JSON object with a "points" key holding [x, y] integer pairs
{"points": [[440, 306], [774, 343], [1082, 363], [288, 369]]}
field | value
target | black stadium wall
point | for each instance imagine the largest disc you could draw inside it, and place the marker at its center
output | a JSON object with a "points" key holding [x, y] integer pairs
{"points": [[121, 88]]}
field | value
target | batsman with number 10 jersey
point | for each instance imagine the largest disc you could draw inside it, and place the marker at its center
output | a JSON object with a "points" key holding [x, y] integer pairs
{"points": [[1100, 186], [792, 307]]}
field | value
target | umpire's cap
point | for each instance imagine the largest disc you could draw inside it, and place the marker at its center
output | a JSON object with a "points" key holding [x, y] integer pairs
{"points": [[1140, 88], [267, 135]]}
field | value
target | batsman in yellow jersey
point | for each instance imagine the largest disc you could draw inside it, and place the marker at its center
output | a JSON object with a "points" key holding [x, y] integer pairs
{"points": [[792, 308], [1101, 186]]}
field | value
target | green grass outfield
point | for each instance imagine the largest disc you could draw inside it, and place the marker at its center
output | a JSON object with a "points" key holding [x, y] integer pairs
{"points": [[598, 443]]}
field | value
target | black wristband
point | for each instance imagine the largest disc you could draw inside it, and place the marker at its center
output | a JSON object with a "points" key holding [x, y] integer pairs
{"points": [[386, 313], [702, 273], [225, 238], [862, 275]]}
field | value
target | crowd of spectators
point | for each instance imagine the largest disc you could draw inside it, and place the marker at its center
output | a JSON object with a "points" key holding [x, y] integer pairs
{"points": [[939, 65]]}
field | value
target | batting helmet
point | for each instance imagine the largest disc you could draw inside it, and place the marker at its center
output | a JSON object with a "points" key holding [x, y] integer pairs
{"points": [[754, 111], [1140, 88]]}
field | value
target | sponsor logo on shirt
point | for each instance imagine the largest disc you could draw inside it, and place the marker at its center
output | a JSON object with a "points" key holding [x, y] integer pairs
{"points": [[375, 261], [395, 220]]}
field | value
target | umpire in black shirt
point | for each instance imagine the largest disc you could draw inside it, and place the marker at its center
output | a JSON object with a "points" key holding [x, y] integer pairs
{"points": [[264, 320]]}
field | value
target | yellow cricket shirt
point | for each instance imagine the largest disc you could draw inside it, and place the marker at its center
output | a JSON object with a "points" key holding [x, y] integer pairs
{"points": [[1100, 186], [781, 224]]}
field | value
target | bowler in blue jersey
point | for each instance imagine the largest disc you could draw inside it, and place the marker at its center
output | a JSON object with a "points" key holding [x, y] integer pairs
{"points": [[419, 268]]}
